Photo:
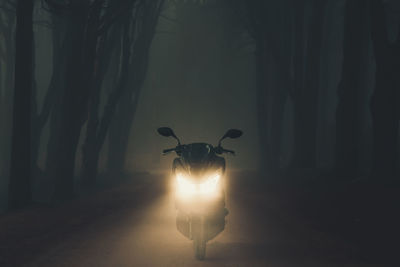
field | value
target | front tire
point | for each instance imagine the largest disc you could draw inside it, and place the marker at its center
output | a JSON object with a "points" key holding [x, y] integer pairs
{"points": [[199, 244], [199, 240]]}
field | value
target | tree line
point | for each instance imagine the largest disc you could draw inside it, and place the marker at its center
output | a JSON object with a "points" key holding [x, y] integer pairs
{"points": [[100, 53], [288, 37], [91, 41]]}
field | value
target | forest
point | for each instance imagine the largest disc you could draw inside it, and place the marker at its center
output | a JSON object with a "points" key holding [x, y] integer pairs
{"points": [[84, 84]]}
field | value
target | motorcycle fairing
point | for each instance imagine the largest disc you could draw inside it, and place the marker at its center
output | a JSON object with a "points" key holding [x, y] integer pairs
{"points": [[197, 159], [215, 224]]}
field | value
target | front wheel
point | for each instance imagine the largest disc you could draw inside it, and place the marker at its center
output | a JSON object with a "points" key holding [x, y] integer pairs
{"points": [[199, 244], [199, 240]]}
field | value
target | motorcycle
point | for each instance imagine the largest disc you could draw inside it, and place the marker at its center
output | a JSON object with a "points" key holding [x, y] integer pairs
{"points": [[198, 172]]}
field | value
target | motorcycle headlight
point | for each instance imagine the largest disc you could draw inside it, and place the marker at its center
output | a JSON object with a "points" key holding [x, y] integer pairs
{"points": [[210, 185], [186, 186]]}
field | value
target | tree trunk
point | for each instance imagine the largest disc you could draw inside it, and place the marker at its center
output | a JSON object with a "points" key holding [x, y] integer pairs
{"points": [[7, 94], [119, 135], [121, 126], [20, 178], [347, 123], [298, 66], [90, 148], [40, 117], [97, 129], [280, 46], [69, 115], [384, 101], [93, 143], [262, 110], [306, 100]]}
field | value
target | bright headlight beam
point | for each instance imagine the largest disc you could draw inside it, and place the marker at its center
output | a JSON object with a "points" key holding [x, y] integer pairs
{"points": [[186, 187], [210, 185]]}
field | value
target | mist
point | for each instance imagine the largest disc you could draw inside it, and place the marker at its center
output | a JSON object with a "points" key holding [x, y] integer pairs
{"points": [[287, 113], [197, 84]]}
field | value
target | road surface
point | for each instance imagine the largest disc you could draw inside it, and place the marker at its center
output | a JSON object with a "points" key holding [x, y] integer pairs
{"points": [[143, 233]]}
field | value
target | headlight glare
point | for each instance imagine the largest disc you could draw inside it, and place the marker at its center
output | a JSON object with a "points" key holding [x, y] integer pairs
{"points": [[210, 185], [186, 186]]}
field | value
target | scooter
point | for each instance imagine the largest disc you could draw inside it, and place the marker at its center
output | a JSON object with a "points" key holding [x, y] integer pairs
{"points": [[198, 172]]}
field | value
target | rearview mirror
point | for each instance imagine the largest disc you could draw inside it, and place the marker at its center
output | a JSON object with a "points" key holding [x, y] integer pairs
{"points": [[167, 132], [232, 133]]}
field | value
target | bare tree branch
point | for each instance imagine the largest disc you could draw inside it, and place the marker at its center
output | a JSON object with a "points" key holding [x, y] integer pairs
{"points": [[145, 38]]}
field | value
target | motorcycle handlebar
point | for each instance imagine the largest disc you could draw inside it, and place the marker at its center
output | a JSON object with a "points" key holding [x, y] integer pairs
{"points": [[177, 149], [166, 151], [221, 150]]}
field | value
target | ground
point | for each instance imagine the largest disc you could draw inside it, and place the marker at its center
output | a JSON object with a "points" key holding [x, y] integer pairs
{"points": [[133, 224]]}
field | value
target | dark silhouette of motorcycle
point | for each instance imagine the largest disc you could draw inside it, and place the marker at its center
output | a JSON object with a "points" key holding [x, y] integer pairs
{"points": [[199, 171]]}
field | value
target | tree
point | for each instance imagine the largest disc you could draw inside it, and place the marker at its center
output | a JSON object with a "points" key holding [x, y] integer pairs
{"points": [[280, 41], [40, 116], [306, 97], [7, 48], [69, 115], [116, 41], [349, 90], [120, 127], [7, 60], [298, 61], [20, 177], [252, 15], [271, 26], [137, 34], [86, 24], [384, 102]]}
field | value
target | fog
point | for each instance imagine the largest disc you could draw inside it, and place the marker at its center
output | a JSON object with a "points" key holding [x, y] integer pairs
{"points": [[200, 86], [313, 85]]}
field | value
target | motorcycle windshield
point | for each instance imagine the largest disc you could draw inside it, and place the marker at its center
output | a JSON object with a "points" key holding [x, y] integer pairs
{"points": [[198, 159], [198, 153]]}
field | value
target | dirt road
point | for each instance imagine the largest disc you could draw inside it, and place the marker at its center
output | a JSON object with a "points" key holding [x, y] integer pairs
{"points": [[258, 233]]}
